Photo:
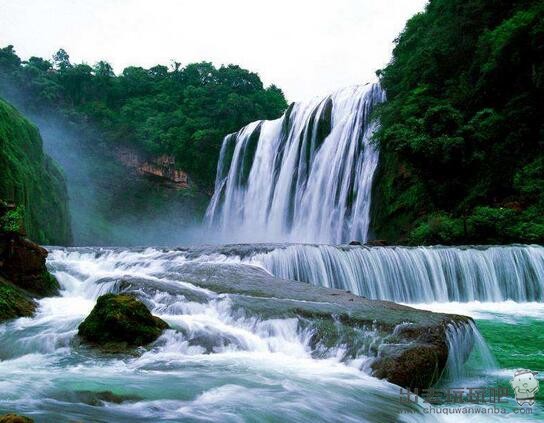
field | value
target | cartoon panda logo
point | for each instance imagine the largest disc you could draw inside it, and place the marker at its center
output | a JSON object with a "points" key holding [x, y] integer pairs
{"points": [[525, 386]]}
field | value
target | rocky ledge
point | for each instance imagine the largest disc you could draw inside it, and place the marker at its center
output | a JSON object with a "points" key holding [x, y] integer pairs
{"points": [[409, 346], [23, 274]]}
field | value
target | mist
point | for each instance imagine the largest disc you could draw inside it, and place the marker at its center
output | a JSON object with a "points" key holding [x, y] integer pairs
{"points": [[111, 204]]}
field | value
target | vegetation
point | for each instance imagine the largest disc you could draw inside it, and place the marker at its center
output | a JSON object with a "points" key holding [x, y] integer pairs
{"points": [[31, 180], [462, 157], [179, 111], [117, 319], [14, 302]]}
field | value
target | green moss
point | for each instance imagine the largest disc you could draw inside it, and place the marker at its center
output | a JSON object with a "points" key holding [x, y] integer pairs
{"points": [[13, 221], [120, 320], [14, 302], [31, 180]]}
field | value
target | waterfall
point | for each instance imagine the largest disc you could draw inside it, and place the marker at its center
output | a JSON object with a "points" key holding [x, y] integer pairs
{"points": [[464, 340], [416, 275], [305, 177]]}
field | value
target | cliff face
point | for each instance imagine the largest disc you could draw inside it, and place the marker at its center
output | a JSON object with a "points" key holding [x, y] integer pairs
{"points": [[30, 179], [163, 167]]}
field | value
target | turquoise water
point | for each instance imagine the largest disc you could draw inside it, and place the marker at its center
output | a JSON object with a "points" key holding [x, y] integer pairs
{"points": [[255, 371], [514, 333]]}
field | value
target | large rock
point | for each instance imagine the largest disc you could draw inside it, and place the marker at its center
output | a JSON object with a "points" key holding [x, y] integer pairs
{"points": [[117, 321], [409, 346], [14, 302], [23, 274]]}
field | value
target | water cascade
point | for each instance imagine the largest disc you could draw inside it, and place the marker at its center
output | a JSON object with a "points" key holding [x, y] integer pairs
{"points": [[217, 365], [305, 177], [416, 275]]}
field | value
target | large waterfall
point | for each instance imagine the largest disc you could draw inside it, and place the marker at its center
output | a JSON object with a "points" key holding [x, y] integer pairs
{"points": [[305, 177], [416, 275]]}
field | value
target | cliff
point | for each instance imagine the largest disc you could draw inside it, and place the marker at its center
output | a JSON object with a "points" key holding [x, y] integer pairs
{"points": [[162, 167], [31, 180]]}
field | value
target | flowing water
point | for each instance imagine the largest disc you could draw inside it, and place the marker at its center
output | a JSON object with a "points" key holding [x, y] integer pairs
{"points": [[216, 365], [219, 365], [305, 177]]}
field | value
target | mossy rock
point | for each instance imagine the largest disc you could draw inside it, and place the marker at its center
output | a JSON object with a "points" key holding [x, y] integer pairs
{"points": [[14, 418], [122, 320], [14, 302]]}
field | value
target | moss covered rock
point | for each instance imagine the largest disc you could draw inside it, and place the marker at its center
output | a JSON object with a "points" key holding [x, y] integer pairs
{"points": [[14, 302], [14, 418], [120, 320]]}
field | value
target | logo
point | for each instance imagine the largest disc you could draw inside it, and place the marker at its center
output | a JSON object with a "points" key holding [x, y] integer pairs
{"points": [[525, 386]]}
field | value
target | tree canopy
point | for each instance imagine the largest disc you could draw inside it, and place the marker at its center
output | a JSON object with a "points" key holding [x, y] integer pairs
{"points": [[463, 131], [184, 111]]}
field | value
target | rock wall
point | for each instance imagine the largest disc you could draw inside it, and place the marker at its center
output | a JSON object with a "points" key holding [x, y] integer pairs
{"points": [[163, 167]]}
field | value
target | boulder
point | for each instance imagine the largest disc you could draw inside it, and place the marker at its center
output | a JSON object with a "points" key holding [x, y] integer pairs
{"points": [[409, 346], [22, 262], [118, 321], [14, 302], [14, 418]]}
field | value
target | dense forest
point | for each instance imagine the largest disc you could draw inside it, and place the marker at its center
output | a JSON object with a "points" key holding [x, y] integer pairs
{"points": [[180, 111], [462, 138], [87, 114]]}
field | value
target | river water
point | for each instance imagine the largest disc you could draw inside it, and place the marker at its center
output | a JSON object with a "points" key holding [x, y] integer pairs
{"points": [[220, 365]]}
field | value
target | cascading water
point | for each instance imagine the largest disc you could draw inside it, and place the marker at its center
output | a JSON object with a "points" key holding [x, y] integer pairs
{"points": [[217, 364], [305, 177], [416, 275]]}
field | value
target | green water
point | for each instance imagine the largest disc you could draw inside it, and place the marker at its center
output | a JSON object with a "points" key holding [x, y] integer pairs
{"points": [[519, 344]]}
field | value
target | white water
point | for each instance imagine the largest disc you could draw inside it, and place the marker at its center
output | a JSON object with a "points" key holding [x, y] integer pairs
{"points": [[214, 365], [284, 180], [416, 275]]}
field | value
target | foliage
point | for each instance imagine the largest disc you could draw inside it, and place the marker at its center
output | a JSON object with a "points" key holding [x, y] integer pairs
{"points": [[462, 136], [31, 180], [179, 111], [13, 221]]}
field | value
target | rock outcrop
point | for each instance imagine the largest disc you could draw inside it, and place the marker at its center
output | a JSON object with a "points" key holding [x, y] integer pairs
{"points": [[163, 167], [409, 346], [23, 274], [15, 418], [120, 321]]}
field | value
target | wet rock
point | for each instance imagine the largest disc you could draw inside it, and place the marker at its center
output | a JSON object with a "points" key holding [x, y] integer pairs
{"points": [[96, 398], [377, 243], [409, 346], [120, 321], [22, 262], [355, 243], [14, 418], [14, 302]]}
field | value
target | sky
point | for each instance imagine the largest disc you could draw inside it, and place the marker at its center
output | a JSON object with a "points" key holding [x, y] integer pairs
{"points": [[306, 47]]}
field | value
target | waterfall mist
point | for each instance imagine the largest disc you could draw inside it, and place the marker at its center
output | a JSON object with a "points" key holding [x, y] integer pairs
{"points": [[109, 203], [305, 177]]}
